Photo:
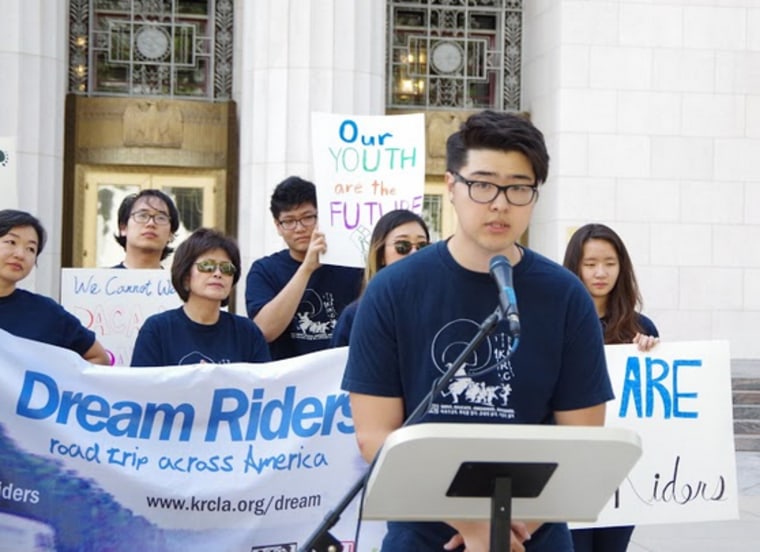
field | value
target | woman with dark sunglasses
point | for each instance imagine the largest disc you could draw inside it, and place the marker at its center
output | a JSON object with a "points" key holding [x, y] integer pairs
{"points": [[204, 271], [397, 234]]}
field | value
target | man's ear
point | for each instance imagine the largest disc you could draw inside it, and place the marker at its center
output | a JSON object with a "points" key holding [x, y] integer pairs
{"points": [[450, 182], [122, 230]]}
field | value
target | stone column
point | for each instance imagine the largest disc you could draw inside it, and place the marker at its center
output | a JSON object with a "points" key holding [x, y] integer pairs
{"points": [[33, 46], [294, 57]]}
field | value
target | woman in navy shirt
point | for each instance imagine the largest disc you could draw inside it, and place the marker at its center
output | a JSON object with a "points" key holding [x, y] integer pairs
{"points": [[597, 255], [205, 268]]}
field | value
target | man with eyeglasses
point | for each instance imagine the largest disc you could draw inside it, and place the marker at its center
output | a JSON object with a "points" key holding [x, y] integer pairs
{"points": [[290, 295], [417, 316], [147, 224]]}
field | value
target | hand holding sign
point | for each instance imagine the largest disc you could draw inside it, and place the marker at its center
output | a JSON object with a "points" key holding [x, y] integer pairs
{"points": [[364, 166]]}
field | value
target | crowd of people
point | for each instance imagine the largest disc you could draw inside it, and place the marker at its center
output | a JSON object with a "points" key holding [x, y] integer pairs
{"points": [[404, 317]]}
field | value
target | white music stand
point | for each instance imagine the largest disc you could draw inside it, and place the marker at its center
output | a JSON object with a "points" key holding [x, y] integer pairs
{"points": [[438, 472]]}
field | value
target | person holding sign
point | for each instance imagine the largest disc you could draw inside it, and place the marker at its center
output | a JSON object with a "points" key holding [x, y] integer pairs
{"points": [[417, 316], [30, 315], [597, 255], [147, 224], [204, 271], [290, 295], [397, 234]]}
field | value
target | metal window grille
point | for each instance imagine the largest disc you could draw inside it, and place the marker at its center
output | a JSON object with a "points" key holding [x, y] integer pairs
{"points": [[454, 54], [171, 48]]}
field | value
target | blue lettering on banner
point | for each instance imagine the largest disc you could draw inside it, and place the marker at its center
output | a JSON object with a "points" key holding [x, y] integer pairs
{"points": [[93, 413], [231, 410], [275, 419], [284, 461], [656, 380]]}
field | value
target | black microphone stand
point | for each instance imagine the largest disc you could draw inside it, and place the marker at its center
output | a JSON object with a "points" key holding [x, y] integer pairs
{"points": [[321, 540]]}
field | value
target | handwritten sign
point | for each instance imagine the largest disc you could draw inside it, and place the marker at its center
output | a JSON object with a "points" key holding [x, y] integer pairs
{"points": [[364, 167], [8, 164], [677, 397], [115, 302]]}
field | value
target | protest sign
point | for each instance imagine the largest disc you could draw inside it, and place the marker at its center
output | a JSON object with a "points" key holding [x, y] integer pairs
{"points": [[208, 457], [253, 456], [115, 302], [364, 166], [677, 397]]}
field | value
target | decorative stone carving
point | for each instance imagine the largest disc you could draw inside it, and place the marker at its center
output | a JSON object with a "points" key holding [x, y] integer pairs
{"points": [[153, 123]]}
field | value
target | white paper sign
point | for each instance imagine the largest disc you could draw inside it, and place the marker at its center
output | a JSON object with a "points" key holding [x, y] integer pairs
{"points": [[677, 397], [115, 302], [364, 167]]}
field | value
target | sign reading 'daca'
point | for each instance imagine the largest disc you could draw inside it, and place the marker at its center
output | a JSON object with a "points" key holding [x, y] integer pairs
{"points": [[114, 303], [364, 167]]}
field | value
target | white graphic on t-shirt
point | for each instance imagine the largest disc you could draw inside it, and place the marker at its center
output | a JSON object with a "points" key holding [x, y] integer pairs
{"points": [[196, 357], [490, 356], [477, 392], [316, 316]]}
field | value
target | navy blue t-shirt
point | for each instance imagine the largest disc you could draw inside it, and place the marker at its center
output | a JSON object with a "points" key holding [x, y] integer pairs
{"points": [[647, 326], [329, 290], [342, 331], [33, 316], [411, 326], [171, 338]]}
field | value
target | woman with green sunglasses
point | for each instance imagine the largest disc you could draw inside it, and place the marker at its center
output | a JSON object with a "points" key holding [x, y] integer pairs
{"points": [[204, 271]]}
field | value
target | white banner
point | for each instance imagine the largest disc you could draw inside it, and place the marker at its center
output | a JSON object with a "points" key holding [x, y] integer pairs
{"points": [[251, 457], [364, 166], [114, 303], [237, 457], [8, 172], [677, 398]]}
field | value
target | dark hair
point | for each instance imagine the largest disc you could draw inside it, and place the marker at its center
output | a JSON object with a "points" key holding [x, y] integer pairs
{"points": [[383, 227], [620, 319], [10, 218], [198, 243], [290, 193], [494, 130], [125, 211]]}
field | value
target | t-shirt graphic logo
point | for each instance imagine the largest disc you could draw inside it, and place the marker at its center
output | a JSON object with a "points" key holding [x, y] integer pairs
{"points": [[484, 379], [196, 357], [316, 316]]}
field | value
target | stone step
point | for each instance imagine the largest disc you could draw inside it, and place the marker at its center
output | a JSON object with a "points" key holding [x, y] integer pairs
{"points": [[747, 443], [747, 427], [751, 384], [746, 412], [746, 397]]}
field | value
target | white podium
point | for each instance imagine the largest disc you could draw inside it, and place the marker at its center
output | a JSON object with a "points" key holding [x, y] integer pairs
{"points": [[438, 472]]}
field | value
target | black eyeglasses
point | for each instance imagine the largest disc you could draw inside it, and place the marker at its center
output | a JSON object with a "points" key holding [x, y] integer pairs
{"points": [[209, 265], [404, 247], [142, 217], [290, 224], [486, 192]]}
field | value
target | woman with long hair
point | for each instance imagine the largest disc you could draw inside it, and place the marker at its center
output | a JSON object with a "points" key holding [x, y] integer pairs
{"points": [[597, 255], [397, 234]]}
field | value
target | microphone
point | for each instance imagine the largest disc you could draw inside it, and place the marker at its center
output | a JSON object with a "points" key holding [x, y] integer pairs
{"points": [[501, 272]]}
